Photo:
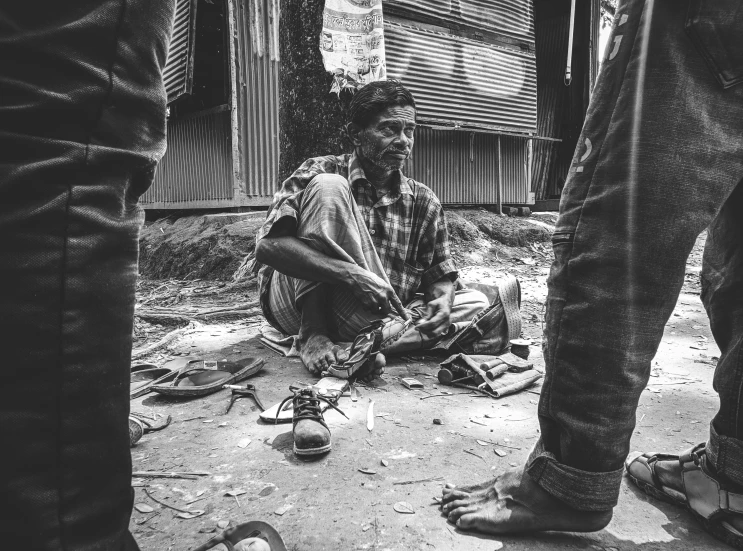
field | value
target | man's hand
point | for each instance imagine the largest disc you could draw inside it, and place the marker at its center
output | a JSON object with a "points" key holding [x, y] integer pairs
{"points": [[440, 297], [375, 294], [437, 320]]}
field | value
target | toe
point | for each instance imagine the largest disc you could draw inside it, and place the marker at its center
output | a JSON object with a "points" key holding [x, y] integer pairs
{"points": [[455, 514], [452, 495], [468, 521]]}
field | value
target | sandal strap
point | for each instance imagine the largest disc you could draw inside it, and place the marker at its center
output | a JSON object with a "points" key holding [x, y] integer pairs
{"points": [[705, 495]]}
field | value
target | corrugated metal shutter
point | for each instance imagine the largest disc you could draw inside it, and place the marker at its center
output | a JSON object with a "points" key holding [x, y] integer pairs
{"points": [[462, 81], [462, 167], [512, 18], [178, 72], [198, 163]]}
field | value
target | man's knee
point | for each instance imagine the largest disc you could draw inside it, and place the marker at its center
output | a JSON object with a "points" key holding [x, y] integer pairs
{"points": [[475, 299]]}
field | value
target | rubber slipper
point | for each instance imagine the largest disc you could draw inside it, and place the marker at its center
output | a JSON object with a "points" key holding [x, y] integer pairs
{"points": [[705, 497], [255, 529], [200, 378], [144, 376]]}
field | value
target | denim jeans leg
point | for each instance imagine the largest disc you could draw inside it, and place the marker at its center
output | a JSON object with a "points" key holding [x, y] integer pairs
{"points": [[658, 157], [722, 294], [82, 125]]}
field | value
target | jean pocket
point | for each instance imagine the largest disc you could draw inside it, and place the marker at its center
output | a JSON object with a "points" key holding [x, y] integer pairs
{"points": [[716, 29]]}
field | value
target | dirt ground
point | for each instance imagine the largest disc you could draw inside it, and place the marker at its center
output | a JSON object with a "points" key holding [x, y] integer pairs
{"points": [[328, 503]]}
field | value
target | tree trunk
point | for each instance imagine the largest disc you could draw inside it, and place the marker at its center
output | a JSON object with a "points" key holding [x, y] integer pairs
{"points": [[310, 117]]}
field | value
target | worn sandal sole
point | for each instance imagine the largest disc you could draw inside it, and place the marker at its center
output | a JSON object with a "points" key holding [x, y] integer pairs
{"points": [[654, 492], [313, 451], [719, 529]]}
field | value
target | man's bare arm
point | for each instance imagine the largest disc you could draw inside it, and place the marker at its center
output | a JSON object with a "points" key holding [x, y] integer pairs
{"points": [[291, 256]]}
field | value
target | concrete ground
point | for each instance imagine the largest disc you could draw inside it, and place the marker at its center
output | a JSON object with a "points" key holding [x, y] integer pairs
{"points": [[346, 499]]}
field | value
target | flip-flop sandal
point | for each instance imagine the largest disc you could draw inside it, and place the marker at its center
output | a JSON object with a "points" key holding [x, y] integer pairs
{"points": [[705, 497], [144, 376], [201, 378], [255, 529]]}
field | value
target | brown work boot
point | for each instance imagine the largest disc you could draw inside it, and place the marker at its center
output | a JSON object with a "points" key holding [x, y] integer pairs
{"points": [[311, 433]]}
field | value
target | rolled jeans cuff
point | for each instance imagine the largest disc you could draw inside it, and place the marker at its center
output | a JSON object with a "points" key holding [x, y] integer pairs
{"points": [[726, 454], [581, 490]]}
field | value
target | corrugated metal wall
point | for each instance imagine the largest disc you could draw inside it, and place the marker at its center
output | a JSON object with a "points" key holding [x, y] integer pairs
{"points": [[552, 36], [462, 167], [512, 18], [464, 81], [197, 165], [257, 23], [178, 71]]}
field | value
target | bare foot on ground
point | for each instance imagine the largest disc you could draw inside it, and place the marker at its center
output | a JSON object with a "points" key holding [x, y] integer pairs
{"points": [[318, 352], [511, 503]]}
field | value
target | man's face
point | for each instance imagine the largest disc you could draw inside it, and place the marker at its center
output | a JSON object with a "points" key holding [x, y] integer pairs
{"points": [[388, 140]]}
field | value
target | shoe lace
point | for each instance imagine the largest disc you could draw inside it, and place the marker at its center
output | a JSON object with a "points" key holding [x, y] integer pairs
{"points": [[307, 405]]}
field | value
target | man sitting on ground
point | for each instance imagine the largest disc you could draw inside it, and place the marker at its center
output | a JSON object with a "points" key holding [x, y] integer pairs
{"points": [[349, 240]]}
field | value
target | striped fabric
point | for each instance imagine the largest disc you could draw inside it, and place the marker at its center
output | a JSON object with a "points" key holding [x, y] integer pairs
{"points": [[407, 225]]}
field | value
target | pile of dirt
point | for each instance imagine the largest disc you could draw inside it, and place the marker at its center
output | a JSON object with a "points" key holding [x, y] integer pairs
{"points": [[468, 224], [198, 247], [214, 246]]}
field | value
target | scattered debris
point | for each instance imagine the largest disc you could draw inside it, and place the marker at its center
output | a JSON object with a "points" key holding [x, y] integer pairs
{"points": [[169, 506], [175, 474], [414, 384], [188, 515], [283, 509], [143, 508], [406, 482], [404, 507], [475, 454], [370, 416], [268, 490]]}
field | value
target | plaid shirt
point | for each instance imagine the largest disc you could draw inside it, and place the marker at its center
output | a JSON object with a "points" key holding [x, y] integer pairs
{"points": [[407, 225]]}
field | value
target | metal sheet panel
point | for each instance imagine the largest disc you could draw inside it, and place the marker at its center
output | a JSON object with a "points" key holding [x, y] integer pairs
{"points": [[178, 71], [197, 165], [258, 95], [552, 40], [462, 167], [512, 18], [463, 81]]}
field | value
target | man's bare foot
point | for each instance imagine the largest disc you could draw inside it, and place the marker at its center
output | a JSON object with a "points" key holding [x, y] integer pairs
{"points": [[512, 502], [318, 352]]}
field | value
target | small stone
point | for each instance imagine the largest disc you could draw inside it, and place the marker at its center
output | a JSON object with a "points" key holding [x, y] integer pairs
{"points": [[438, 422], [223, 524]]}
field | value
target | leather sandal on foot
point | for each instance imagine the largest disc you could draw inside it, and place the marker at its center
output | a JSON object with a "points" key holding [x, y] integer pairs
{"points": [[242, 535], [200, 378], [708, 500], [311, 433]]}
